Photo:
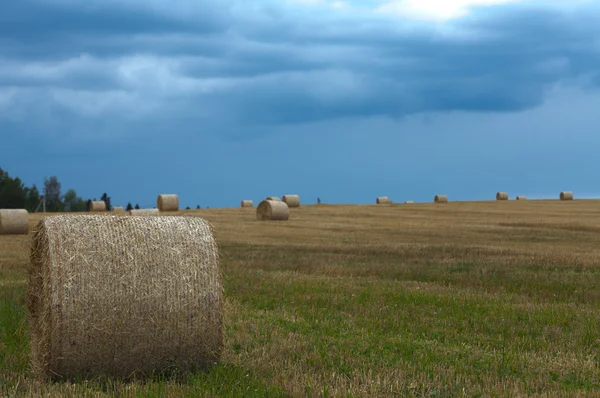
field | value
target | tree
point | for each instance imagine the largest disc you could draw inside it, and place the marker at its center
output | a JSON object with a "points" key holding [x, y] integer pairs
{"points": [[187, 208], [106, 199], [72, 202], [197, 207], [137, 207], [33, 199], [12, 192], [52, 194], [129, 206]]}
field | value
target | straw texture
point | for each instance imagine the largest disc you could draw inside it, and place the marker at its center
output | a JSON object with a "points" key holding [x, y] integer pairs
{"points": [[14, 222], [143, 212], [97, 205], [502, 196], [440, 199], [167, 202], [566, 195], [292, 200], [383, 200], [274, 198], [121, 296], [247, 203], [521, 197], [272, 210]]}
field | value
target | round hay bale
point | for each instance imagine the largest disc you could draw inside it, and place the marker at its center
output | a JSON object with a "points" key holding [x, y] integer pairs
{"points": [[521, 197], [272, 210], [143, 212], [117, 208], [502, 196], [14, 222], [167, 202], [566, 195], [383, 200], [97, 205], [409, 202], [118, 296], [274, 198], [292, 200], [247, 203], [440, 199]]}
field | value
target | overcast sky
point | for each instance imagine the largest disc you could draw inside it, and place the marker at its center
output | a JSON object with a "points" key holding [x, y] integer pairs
{"points": [[225, 100]]}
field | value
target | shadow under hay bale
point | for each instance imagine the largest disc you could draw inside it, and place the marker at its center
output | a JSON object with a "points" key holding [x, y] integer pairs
{"points": [[502, 196], [566, 195], [123, 297], [383, 200], [143, 212], [272, 210], [14, 222], [247, 203], [291, 200], [167, 202], [440, 199], [97, 205]]}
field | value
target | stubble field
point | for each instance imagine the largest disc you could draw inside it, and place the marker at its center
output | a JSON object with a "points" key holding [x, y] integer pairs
{"points": [[458, 299]]}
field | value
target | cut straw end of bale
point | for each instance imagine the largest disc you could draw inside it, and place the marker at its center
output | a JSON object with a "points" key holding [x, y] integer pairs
{"points": [[291, 200], [247, 203], [123, 297], [502, 196], [97, 205], [143, 212], [440, 199], [14, 222], [383, 200], [272, 210], [167, 202], [566, 195]]}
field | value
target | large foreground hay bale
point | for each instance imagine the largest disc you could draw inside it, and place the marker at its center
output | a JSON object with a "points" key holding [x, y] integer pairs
{"points": [[97, 205], [143, 212], [502, 196], [521, 197], [291, 200], [272, 210], [274, 198], [14, 222], [121, 296], [440, 199], [117, 208], [247, 203], [566, 195], [383, 200], [167, 202]]}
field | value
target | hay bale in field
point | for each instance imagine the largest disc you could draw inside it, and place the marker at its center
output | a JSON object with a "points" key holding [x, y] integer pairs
{"points": [[521, 197], [118, 296], [274, 198], [291, 200], [440, 199], [143, 212], [409, 202], [167, 202], [117, 208], [14, 222], [566, 195], [272, 210], [97, 205], [502, 196], [383, 200], [247, 203]]}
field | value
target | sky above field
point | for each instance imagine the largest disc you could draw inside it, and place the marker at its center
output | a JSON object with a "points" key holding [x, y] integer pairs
{"points": [[225, 100]]}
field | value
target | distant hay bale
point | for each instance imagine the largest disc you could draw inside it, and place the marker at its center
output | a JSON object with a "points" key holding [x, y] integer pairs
{"points": [[521, 197], [120, 297], [144, 212], [275, 198], [502, 196], [14, 222], [247, 203], [117, 208], [383, 200], [409, 202], [167, 202], [566, 195], [291, 200], [97, 205], [272, 210], [440, 199]]}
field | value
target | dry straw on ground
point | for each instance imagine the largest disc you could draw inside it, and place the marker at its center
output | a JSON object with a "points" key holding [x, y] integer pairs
{"points": [[167, 202], [440, 199], [118, 296], [566, 195], [383, 200], [502, 196], [247, 203], [97, 205], [14, 222], [521, 197], [143, 212], [292, 200], [274, 198], [272, 210], [117, 208]]}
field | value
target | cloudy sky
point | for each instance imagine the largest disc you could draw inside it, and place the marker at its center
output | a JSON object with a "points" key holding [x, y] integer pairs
{"points": [[344, 100]]}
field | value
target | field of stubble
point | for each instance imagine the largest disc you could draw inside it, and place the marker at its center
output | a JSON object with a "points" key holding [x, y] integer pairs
{"points": [[458, 299]]}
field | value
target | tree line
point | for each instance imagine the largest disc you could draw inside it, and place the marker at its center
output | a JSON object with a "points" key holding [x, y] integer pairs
{"points": [[15, 195]]}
